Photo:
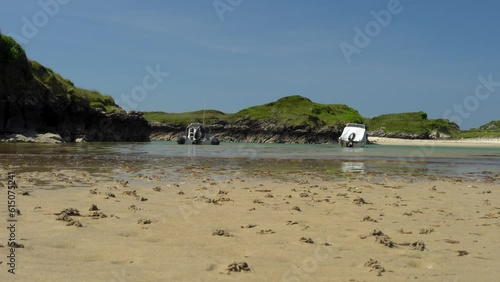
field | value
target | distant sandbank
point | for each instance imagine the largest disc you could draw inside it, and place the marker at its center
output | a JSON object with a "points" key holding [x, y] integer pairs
{"points": [[473, 142]]}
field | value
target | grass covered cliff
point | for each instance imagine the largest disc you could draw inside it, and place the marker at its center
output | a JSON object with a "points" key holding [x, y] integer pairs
{"points": [[34, 98], [10, 50], [62, 87], [12, 54]]}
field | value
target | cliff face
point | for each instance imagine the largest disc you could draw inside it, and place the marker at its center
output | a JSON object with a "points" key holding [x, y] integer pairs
{"points": [[33, 98], [258, 131]]}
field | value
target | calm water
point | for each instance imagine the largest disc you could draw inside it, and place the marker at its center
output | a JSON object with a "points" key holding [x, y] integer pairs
{"points": [[426, 159]]}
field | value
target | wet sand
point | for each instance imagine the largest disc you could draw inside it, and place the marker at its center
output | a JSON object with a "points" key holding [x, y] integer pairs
{"points": [[235, 226]]}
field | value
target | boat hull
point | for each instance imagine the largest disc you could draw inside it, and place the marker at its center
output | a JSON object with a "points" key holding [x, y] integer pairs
{"points": [[353, 135], [197, 134], [183, 140], [352, 144]]}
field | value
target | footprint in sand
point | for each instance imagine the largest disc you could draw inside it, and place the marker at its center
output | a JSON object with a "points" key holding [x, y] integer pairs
{"points": [[307, 240], [238, 267], [375, 266], [222, 233], [249, 226], [268, 231]]}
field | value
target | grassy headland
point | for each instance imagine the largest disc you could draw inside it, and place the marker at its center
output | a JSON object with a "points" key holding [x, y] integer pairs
{"points": [[289, 111], [13, 55], [298, 110], [411, 123], [489, 130], [64, 87]]}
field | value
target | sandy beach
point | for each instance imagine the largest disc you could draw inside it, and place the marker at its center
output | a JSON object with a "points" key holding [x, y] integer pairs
{"points": [[236, 226]]}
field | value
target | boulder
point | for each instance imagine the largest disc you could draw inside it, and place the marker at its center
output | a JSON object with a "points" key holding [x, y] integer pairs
{"points": [[51, 138]]}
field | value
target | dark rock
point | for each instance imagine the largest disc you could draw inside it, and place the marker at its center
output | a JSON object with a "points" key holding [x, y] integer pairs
{"points": [[254, 131]]}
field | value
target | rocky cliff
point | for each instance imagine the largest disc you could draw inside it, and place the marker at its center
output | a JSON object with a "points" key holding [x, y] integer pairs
{"points": [[35, 99]]}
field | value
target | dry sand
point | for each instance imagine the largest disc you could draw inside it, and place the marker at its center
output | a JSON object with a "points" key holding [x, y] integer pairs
{"points": [[359, 227]]}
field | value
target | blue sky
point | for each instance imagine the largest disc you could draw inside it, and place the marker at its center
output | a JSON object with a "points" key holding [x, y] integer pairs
{"points": [[427, 57]]}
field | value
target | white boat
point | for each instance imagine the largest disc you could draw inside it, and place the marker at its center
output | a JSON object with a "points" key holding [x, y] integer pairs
{"points": [[354, 135], [197, 134]]}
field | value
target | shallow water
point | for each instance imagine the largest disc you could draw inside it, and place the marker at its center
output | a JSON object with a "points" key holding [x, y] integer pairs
{"points": [[327, 159]]}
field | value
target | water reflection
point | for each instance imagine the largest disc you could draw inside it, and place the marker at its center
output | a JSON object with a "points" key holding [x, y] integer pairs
{"points": [[352, 150], [353, 167], [331, 159]]}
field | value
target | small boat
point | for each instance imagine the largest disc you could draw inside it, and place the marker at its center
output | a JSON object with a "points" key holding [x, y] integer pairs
{"points": [[354, 135], [197, 134]]}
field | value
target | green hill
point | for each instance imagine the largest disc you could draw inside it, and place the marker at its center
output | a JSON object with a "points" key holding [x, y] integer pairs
{"points": [[489, 130], [411, 123], [298, 110], [186, 118], [288, 111], [493, 126]]}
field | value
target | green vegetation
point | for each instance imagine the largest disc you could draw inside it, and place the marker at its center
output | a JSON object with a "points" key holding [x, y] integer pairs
{"points": [[298, 110], [411, 123], [62, 87], [10, 50], [11, 53], [489, 130], [491, 126], [186, 118], [474, 133], [290, 111]]}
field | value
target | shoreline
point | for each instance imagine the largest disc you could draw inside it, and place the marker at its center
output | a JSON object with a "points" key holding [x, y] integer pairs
{"points": [[472, 142], [157, 225]]}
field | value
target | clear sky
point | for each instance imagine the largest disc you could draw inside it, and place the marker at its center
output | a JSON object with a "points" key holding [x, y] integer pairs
{"points": [[377, 56]]}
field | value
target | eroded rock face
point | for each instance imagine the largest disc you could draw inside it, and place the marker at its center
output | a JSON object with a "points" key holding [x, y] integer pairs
{"points": [[121, 126], [248, 130], [400, 135]]}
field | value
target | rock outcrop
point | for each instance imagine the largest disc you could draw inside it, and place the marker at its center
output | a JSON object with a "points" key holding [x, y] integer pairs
{"points": [[404, 135], [400, 135], [256, 131]]}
